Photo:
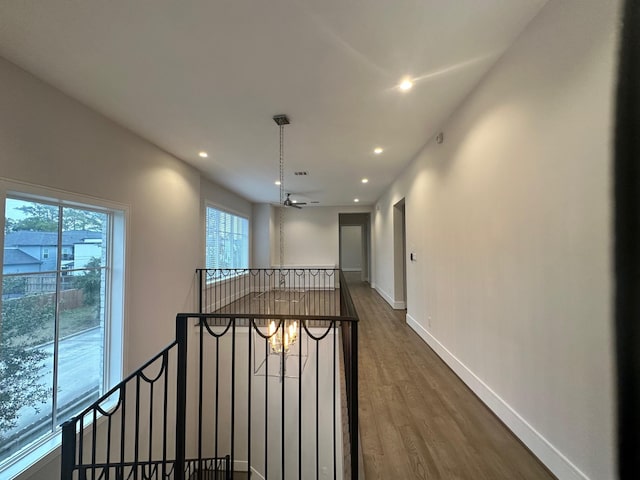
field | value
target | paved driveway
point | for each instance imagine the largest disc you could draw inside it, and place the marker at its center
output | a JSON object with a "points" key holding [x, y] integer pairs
{"points": [[79, 371]]}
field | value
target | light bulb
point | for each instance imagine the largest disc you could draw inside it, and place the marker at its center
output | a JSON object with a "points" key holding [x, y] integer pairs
{"points": [[405, 84]]}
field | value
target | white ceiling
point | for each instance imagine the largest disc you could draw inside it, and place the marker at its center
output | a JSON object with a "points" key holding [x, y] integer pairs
{"points": [[208, 75]]}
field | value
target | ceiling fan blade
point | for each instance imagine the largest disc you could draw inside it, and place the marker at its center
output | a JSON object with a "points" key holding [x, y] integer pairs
{"points": [[297, 205]]}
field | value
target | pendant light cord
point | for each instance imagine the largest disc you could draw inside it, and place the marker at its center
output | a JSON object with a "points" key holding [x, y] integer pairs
{"points": [[281, 199]]}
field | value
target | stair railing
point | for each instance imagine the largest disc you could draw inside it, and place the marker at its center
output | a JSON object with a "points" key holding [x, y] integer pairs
{"points": [[219, 405], [136, 430]]}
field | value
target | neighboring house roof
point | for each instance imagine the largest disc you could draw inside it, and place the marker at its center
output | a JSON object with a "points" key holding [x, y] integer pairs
{"points": [[25, 238], [15, 256]]}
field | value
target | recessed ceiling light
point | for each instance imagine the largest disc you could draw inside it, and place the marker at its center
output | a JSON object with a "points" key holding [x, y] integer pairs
{"points": [[377, 150], [365, 180], [203, 154], [356, 200], [277, 182], [405, 84]]}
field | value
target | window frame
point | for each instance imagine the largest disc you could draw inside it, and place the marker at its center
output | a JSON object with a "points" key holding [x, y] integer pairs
{"points": [[115, 308]]}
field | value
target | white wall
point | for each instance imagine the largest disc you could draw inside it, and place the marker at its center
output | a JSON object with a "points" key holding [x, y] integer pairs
{"points": [[312, 235], [261, 233], [216, 195], [50, 140], [510, 220]]}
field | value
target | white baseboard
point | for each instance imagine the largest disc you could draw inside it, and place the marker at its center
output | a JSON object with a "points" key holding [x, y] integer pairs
{"points": [[395, 305], [552, 458]]}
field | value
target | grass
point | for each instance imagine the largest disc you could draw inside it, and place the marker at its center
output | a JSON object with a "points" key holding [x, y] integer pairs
{"points": [[77, 320], [71, 321]]}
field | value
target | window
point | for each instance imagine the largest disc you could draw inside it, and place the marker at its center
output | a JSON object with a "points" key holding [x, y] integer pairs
{"points": [[61, 324], [227, 240], [67, 253]]}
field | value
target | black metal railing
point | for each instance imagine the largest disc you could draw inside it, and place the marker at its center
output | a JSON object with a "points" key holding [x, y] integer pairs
{"points": [[254, 310], [262, 380], [294, 291], [134, 430]]}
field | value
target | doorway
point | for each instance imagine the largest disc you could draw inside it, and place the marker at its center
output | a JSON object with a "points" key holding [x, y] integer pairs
{"points": [[399, 256], [354, 245]]}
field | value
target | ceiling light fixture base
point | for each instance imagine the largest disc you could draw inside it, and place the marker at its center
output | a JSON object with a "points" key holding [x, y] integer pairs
{"points": [[281, 119]]}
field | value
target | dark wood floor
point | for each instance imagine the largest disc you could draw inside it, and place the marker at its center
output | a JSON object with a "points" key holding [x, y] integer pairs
{"points": [[417, 419]]}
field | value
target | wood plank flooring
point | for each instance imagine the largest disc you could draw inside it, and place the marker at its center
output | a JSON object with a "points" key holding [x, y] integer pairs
{"points": [[418, 420]]}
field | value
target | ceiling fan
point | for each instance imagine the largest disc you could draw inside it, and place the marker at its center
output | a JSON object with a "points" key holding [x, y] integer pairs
{"points": [[292, 203]]}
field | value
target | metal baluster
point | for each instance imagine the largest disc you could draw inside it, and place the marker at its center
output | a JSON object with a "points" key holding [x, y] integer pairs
{"points": [[94, 434], [300, 401], [123, 405], [249, 377], [353, 413], [282, 382], [136, 445], [200, 388], [151, 389], [335, 454], [266, 411], [217, 377], [317, 409], [233, 390], [164, 420]]}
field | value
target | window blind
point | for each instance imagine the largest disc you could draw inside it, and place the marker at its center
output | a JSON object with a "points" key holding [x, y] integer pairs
{"points": [[227, 240]]}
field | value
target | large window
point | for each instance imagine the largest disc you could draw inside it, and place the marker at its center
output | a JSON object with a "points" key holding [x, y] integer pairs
{"points": [[60, 330], [227, 240]]}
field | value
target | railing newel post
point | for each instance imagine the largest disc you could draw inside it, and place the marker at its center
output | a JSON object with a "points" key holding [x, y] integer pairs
{"points": [[181, 396], [68, 461]]}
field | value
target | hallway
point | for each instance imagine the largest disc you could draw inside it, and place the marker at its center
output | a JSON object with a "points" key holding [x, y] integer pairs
{"points": [[418, 420]]}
